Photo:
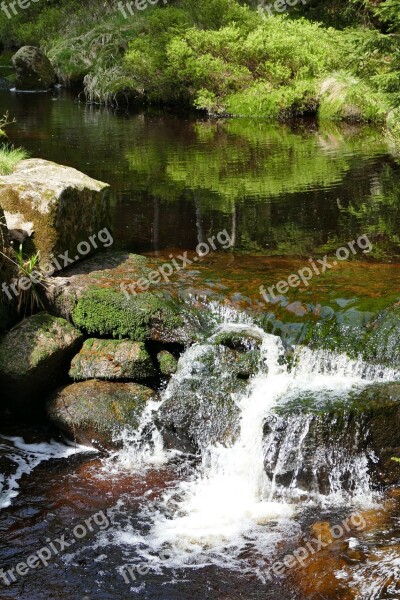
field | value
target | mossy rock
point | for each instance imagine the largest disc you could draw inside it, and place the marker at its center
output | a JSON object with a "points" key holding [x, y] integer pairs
{"points": [[376, 338], [243, 341], [245, 346], [201, 404], [49, 197], [34, 359], [33, 69], [112, 359], [167, 363], [140, 317], [95, 412]]}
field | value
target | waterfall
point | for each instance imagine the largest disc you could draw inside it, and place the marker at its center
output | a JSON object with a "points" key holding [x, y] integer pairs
{"points": [[226, 502]]}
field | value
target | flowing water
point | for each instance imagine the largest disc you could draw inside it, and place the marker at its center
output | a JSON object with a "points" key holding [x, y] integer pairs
{"points": [[212, 521]]}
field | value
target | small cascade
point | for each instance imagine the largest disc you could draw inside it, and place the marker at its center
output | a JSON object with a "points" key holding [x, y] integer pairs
{"points": [[285, 444]]}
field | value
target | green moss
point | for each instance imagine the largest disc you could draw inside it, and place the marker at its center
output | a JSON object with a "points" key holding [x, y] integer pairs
{"points": [[112, 359], [106, 312], [167, 362]]}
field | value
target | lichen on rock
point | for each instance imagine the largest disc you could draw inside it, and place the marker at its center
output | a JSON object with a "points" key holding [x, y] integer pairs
{"points": [[63, 206], [94, 412], [112, 359], [34, 356]]}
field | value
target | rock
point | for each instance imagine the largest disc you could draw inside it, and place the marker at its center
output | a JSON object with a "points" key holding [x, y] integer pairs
{"points": [[18, 229], [112, 359], [200, 407], [105, 312], [317, 444], [34, 357], [242, 341], [6, 272], [33, 69], [167, 363], [95, 412], [61, 205]]}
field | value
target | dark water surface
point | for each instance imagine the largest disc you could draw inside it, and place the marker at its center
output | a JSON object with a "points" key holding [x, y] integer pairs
{"points": [[175, 180], [290, 192]]}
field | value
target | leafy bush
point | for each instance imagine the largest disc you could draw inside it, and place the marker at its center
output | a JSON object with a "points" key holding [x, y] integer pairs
{"points": [[223, 57]]}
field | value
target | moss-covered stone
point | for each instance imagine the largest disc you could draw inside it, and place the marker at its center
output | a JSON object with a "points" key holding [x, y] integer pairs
{"points": [[95, 412], [33, 69], [112, 359], [49, 197], [167, 363], [141, 317], [376, 338], [34, 357], [201, 406], [243, 340]]}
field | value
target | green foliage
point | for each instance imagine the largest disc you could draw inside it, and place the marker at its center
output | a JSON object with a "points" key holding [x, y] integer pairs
{"points": [[29, 300], [223, 56], [109, 313], [343, 96], [9, 158]]}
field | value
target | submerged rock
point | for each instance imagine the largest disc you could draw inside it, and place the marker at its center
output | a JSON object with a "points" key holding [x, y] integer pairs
{"points": [[167, 363], [94, 412], [62, 206], [33, 69], [34, 355], [112, 359]]}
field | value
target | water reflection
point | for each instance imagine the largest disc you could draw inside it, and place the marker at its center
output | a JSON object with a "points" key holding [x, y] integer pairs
{"points": [[175, 180]]}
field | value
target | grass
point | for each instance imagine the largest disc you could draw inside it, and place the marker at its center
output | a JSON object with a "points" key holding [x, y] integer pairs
{"points": [[29, 300], [10, 157]]}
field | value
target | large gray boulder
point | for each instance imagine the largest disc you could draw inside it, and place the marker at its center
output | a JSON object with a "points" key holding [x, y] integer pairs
{"points": [[34, 359], [33, 69], [112, 359], [94, 412], [62, 206]]}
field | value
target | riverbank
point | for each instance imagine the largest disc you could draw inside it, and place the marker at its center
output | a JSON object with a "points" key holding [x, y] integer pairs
{"points": [[223, 59]]}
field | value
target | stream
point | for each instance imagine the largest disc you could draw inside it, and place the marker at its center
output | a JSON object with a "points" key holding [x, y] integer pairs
{"points": [[278, 456]]}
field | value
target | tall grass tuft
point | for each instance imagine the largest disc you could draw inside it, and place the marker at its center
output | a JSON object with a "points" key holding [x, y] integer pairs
{"points": [[29, 300], [10, 157]]}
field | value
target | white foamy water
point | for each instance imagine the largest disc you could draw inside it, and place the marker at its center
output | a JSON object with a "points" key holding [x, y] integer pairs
{"points": [[26, 457], [142, 447], [230, 503]]}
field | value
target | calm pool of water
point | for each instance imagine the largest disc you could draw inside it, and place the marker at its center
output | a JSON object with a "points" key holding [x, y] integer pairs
{"points": [[176, 180]]}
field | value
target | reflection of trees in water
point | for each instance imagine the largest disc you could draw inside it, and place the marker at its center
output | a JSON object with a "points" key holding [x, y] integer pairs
{"points": [[275, 189]]}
